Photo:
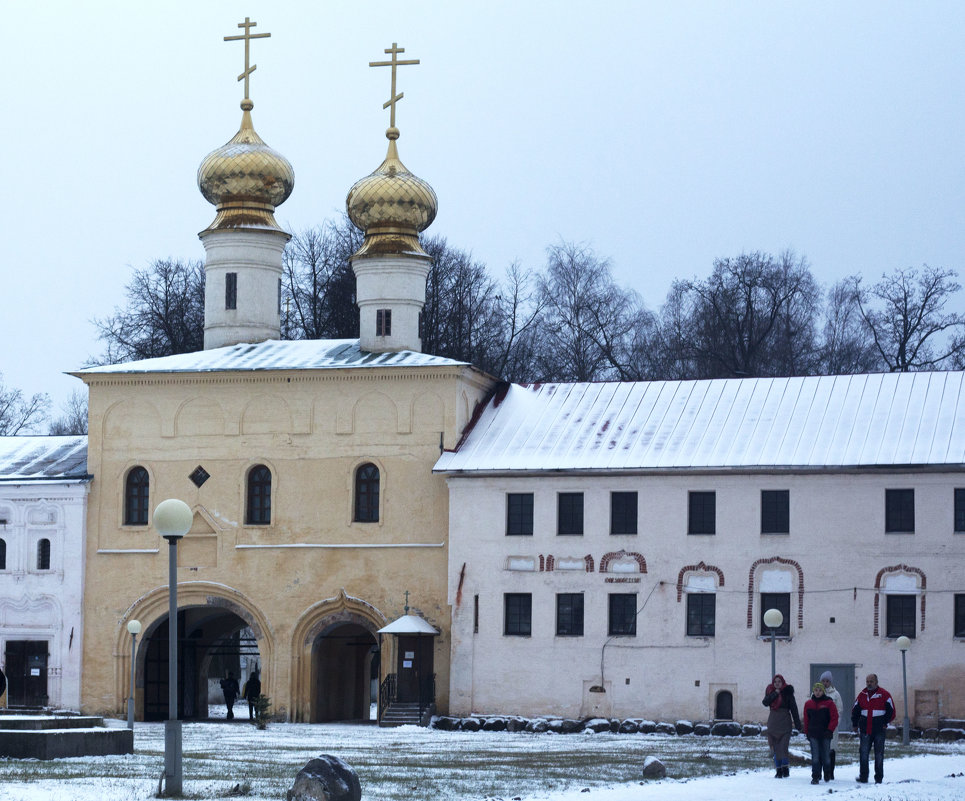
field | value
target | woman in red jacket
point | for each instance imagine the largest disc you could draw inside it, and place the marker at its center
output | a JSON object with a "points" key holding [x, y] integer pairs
{"points": [[820, 721]]}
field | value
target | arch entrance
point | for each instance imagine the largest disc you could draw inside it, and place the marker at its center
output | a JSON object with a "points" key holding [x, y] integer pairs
{"points": [[212, 643], [218, 631], [345, 665]]}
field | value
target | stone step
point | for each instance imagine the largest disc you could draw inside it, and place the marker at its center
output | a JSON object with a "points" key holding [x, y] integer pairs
{"points": [[45, 722]]}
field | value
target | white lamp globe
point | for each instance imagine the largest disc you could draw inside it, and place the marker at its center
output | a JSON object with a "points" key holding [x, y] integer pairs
{"points": [[134, 627], [773, 618], [173, 518]]}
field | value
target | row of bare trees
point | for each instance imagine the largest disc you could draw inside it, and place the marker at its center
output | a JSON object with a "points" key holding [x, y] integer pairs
{"points": [[754, 315]]}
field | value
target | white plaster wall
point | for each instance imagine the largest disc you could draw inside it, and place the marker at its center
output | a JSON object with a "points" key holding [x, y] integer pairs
{"points": [[836, 537], [46, 605]]}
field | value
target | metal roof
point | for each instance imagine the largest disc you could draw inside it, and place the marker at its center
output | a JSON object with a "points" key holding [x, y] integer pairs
{"points": [[273, 354], [409, 624], [883, 420], [43, 459]]}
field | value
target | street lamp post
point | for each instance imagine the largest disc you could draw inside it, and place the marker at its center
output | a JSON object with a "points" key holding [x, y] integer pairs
{"points": [[904, 644], [172, 519], [773, 620], [133, 628]]}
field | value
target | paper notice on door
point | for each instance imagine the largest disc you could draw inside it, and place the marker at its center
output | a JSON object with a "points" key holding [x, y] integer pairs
{"points": [[407, 663], [410, 654], [34, 671]]}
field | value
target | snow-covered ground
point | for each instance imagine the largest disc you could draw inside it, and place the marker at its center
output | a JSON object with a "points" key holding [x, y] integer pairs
{"points": [[431, 765]]}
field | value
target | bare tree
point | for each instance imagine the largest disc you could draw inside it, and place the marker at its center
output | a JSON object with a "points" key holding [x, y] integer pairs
{"points": [[587, 323], [905, 314], [319, 300], [164, 314], [73, 418], [754, 316], [846, 346], [20, 415]]}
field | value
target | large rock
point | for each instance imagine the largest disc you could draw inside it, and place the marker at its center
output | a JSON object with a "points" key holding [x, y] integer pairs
{"points": [[326, 778], [684, 727], [751, 729], [494, 724], [445, 723], [726, 729], [629, 726], [538, 725], [597, 725], [470, 724], [570, 726], [646, 726], [516, 724], [702, 729], [664, 728], [653, 768], [949, 735]]}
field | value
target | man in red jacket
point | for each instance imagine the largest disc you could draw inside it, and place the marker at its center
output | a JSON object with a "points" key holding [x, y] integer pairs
{"points": [[873, 710]]}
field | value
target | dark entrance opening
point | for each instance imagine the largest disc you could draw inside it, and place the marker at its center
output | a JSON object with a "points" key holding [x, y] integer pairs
{"points": [[26, 662], [724, 706], [210, 642], [342, 660]]}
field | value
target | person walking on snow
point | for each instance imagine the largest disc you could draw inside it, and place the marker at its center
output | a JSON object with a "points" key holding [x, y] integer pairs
{"points": [[251, 692], [229, 686], [779, 697], [873, 710], [820, 723], [831, 692]]}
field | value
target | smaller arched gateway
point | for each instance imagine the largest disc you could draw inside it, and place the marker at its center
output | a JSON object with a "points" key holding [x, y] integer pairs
{"points": [[336, 660], [211, 619]]}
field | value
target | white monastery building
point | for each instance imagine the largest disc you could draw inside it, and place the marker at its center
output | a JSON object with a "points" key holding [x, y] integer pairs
{"points": [[43, 508], [614, 546]]}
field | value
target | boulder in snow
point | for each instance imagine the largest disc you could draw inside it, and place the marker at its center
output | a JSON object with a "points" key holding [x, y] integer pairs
{"points": [[326, 778], [653, 768]]}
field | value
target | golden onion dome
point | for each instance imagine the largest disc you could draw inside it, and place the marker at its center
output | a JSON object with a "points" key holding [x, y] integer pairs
{"points": [[391, 206], [245, 179]]}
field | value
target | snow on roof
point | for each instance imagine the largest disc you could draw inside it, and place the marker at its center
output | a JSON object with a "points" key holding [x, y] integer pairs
{"points": [[808, 422], [408, 624], [43, 459], [273, 354]]}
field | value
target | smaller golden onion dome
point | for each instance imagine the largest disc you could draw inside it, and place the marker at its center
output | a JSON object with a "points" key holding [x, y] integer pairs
{"points": [[245, 179], [391, 206]]}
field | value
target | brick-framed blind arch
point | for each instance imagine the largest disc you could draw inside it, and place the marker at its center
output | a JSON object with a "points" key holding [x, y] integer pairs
{"points": [[700, 567], [800, 587], [902, 568], [614, 555]]}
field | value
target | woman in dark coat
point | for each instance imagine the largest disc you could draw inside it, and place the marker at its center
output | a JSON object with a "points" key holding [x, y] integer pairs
{"points": [[779, 697]]}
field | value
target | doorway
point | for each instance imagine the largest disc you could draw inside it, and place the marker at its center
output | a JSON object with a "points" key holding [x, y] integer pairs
{"points": [[26, 669], [342, 666]]}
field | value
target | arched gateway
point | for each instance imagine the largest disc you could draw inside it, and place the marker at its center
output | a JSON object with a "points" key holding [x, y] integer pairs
{"points": [[336, 659], [210, 618]]}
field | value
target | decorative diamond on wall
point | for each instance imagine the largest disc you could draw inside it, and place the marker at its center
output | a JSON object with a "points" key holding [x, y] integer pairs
{"points": [[199, 475]]}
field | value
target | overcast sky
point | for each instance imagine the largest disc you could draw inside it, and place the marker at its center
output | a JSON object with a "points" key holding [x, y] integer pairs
{"points": [[663, 134]]}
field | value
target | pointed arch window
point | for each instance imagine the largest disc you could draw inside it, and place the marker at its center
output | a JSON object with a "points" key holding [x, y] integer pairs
{"points": [[137, 491], [367, 494], [258, 511], [43, 555], [3, 554]]}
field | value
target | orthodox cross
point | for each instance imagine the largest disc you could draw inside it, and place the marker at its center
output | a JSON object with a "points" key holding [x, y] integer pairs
{"points": [[248, 36], [395, 98], [406, 592]]}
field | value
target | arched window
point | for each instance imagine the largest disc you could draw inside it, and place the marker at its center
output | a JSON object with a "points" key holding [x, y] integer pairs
{"points": [[3, 554], [137, 490], [258, 512], [367, 494], [43, 555]]}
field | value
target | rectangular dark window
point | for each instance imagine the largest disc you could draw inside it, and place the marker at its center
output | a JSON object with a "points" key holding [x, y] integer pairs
{"points": [[623, 614], [475, 614], [518, 620], [383, 322], [519, 514], [623, 513], [701, 614], [960, 615], [279, 296], [901, 616], [899, 510], [569, 614], [781, 601], [775, 512], [960, 510], [231, 290], [569, 518], [701, 512]]}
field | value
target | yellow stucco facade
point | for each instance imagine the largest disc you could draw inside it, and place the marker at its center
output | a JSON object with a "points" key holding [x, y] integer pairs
{"points": [[312, 572]]}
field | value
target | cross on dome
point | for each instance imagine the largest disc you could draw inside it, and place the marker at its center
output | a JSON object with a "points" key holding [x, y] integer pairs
{"points": [[247, 36], [394, 63]]}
